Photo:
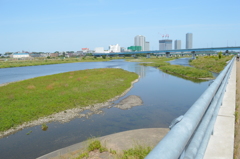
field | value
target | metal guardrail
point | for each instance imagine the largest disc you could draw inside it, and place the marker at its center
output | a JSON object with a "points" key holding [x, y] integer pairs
{"points": [[189, 134]]}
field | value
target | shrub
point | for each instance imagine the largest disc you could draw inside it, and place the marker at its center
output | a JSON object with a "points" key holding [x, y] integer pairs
{"points": [[94, 145], [138, 152]]}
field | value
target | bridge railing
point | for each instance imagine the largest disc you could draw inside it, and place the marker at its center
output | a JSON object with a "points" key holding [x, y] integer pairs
{"points": [[190, 133]]}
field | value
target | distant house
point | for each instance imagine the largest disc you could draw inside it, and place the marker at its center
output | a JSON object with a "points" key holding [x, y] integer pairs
{"points": [[54, 54], [19, 55]]}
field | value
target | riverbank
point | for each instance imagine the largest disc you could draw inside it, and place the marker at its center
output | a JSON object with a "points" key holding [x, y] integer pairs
{"points": [[8, 63], [117, 143], [68, 114], [211, 63], [176, 70]]}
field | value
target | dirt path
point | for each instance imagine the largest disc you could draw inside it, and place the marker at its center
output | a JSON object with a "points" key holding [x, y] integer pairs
{"points": [[237, 115]]}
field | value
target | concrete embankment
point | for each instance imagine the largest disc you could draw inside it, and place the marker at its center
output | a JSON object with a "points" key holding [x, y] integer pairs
{"points": [[118, 142]]}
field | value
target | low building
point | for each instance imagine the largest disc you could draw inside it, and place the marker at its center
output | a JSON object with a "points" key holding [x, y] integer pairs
{"points": [[99, 50], [135, 48], [114, 48], [54, 55], [19, 55]]}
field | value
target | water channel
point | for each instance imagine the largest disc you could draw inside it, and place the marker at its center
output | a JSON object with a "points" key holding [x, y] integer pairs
{"points": [[164, 96]]}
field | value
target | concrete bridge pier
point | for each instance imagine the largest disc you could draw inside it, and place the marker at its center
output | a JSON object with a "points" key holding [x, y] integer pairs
{"points": [[167, 54], [193, 55], [134, 55], [148, 55]]}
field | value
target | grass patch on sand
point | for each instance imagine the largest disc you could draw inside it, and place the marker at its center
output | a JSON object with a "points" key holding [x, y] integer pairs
{"points": [[42, 96], [138, 152]]}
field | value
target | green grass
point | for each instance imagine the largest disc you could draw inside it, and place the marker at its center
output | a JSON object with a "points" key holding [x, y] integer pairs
{"points": [[10, 62], [182, 71], [42, 96], [189, 72], [44, 127], [45, 61], [138, 152], [94, 145], [211, 63]]}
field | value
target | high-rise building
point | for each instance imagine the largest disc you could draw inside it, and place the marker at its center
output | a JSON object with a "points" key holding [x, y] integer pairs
{"points": [[165, 44], [189, 38], [147, 46], [177, 44], [139, 40]]}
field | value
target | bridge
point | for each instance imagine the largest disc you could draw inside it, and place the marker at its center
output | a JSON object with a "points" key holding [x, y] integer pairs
{"points": [[192, 52]]}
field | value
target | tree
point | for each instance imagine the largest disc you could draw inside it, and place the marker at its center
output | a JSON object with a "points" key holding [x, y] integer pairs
{"points": [[104, 56], [220, 55]]}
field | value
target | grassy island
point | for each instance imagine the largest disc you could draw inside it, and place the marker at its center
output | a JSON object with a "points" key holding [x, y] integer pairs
{"points": [[189, 72], [182, 71], [31, 99]]}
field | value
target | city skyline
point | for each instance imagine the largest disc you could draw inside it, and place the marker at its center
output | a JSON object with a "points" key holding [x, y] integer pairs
{"points": [[60, 25]]}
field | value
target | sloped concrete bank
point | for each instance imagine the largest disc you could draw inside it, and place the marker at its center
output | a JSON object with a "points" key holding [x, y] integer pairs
{"points": [[118, 142]]}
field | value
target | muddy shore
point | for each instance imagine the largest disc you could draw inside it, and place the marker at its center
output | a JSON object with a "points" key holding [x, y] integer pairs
{"points": [[69, 114]]}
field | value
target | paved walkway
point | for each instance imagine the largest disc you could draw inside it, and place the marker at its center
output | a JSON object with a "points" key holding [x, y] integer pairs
{"points": [[221, 143]]}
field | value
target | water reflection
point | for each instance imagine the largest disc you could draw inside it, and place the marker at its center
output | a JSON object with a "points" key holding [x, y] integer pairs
{"points": [[181, 61]]}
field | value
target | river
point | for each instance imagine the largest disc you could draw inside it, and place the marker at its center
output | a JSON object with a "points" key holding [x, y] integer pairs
{"points": [[164, 96]]}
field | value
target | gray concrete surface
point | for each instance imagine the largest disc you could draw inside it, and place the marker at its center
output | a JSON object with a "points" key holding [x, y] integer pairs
{"points": [[118, 142], [221, 143]]}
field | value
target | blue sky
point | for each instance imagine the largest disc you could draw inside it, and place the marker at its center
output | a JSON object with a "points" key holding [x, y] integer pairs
{"points": [[69, 25]]}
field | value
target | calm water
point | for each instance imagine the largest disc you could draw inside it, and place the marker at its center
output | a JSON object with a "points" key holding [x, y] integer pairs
{"points": [[164, 96]]}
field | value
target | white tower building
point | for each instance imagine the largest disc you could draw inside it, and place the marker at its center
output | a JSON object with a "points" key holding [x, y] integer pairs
{"points": [[139, 40], [177, 44], [147, 46], [189, 39]]}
